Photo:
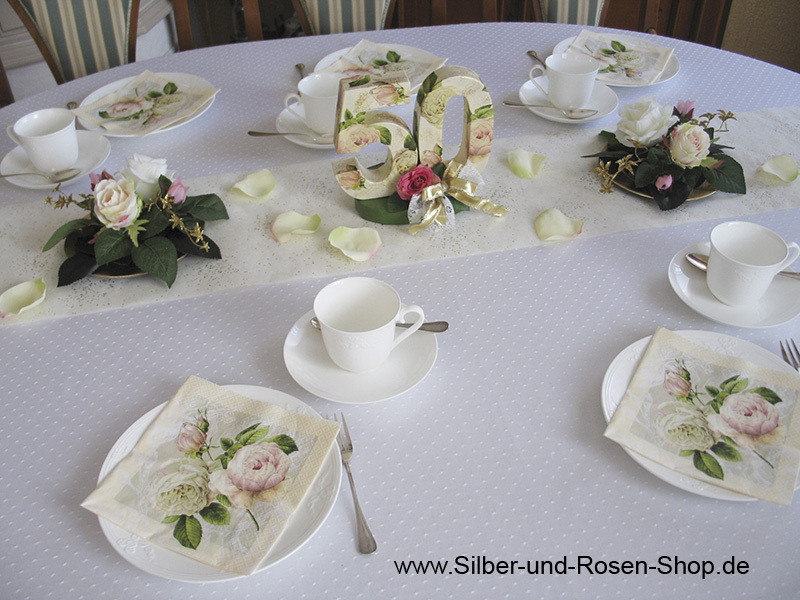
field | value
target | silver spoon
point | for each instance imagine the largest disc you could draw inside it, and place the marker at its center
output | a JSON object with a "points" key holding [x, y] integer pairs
{"points": [[701, 262], [434, 326], [301, 68], [534, 56], [575, 113], [317, 139], [56, 177]]}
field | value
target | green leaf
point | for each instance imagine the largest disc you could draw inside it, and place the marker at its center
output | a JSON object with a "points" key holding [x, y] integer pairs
{"points": [[222, 499], [170, 88], [361, 81], [410, 142], [157, 222], [225, 443], [206, 207], [74, 268], [728, 177], [246, 431], [617, 46], [729, 383], [608, 52], [686, 452], [379, 63], [255, 436], [188, 531], [726, 451], [705, 463], [65, 230], [153, 94], [112, 244], [171, 519], [712, 391], [393, 56], [286, 443], [386, 135], [224, 460], [216, 514], [766, 393], [428, 84], [158, 257], [740, 386], [484, 112], [230, 452]]}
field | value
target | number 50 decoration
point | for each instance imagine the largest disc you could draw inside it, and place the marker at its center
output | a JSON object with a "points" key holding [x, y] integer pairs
{"points": [[361, 121]]}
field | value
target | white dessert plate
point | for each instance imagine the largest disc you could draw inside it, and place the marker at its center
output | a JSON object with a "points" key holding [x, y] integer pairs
{"points": [[184, 79], [779, 305], [289, 122], [603, 100], [619, 375], [307, 518], [311, 367], [93, 149], [670, 70]]}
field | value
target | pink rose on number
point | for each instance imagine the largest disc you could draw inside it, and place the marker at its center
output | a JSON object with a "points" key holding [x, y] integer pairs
{"points": [[749, 413], [416, 180], [480, 140], [352, 139], [350, 180], [258, 467], [430, 158], [385, 95]]}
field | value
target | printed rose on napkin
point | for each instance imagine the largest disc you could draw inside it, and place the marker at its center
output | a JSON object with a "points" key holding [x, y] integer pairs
{"points": [[216, 476], [146, 104], [638, 63], [713, 417]]}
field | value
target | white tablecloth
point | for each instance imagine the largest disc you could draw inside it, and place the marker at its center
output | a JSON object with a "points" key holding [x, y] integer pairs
{"points": [[498, 453]]}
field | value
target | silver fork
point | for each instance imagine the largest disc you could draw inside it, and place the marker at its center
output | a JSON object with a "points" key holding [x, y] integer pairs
{"points": [[790, 354], [366, 541]]}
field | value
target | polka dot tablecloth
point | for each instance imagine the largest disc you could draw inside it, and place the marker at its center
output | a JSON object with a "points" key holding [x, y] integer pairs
{"points": [[497, 455]]}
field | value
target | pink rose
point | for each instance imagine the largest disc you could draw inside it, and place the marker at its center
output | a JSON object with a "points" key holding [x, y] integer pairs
{"points": [[190, 438], [258, 467], [385, 95], [685, 108], [94, 178], [116, 203], [749, 413], [126, 108], [688, 145], [177, 191], [430, 158], [220, 484], [677, 383], [415, 181], [480, 140], [664, 182], [350, 180], [352, 139]]}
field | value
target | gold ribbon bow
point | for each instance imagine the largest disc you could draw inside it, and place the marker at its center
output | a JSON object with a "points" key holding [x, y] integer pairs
{"points": [[461, 189]]}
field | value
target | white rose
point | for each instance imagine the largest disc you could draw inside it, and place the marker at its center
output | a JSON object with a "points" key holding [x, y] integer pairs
{"points": [[144, 172], [181, 487], [116, 204], [405, 161], [644, 122], [688, 145], [434, 103], [684, 426]]}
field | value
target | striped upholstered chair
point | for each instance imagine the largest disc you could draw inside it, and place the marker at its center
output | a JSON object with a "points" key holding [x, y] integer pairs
{"points": [[339, 16], [79, 37], [580, 12]]}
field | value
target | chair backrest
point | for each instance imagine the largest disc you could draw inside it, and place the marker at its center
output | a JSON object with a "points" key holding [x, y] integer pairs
{"points": [[183, 26], [580, 12], [79, 37], [340, 16]]}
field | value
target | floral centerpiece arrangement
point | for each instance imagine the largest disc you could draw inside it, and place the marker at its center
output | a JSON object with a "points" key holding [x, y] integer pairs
{"points": [[140, 221], [666, 153]]}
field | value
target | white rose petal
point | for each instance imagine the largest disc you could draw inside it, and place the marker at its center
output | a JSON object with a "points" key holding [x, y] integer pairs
{"points": [[257, 185], [22, 296], [554, 226], [290, 222], [145, 172], [357, 244], [525, 164], [783, 167]]}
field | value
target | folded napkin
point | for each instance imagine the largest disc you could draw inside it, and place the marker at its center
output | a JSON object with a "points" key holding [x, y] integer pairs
{"points": [[146, 104], [216, 476], [368, 59], [714, 417], [634, 62]]}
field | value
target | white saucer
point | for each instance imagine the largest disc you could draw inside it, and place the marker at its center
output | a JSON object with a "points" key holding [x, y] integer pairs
{"points": [[779, 305], [93, 149], [288, 122], [311, 367], [670, 69], [603, 100], [619, 375]]}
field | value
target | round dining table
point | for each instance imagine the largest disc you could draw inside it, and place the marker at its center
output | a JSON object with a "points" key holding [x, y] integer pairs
{"points": [[496, 455]]}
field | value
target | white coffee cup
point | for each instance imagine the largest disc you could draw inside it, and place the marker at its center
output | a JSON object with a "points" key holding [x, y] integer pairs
{"points": [[317, 96], [48, 137], [357, 317], [570, 79], [744, 259]]}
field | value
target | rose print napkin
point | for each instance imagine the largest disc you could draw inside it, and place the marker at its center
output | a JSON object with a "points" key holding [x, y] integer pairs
{"points": [[146, 104], [368, 60], [638, 63], [713, 417], [216, 476]]}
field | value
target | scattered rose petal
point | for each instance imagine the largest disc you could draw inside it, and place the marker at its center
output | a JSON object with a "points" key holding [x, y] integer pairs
{"points": [[554, 226], [257, 185], [525, 164], [359, 244], [22, 297], [290, 222], [784, 167]]}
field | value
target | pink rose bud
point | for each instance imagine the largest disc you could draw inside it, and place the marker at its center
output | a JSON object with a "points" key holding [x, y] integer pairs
{"points": [[177, 191], [416, 180], [677, 383], [685, 108], [664, 182], [190, 438], [94, 178]]}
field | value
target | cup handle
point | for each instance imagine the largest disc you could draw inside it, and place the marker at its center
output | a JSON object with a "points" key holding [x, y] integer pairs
{"points": [[13, 136], [537, 69], [404, 310], [794, 252], [287, 102]]}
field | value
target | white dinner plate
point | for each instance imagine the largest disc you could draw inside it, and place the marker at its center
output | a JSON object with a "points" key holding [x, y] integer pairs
{"points": [[182, 79], [603, 100], [311, 367], [779, 305], [670, 69], [289, 122], [619, 375], [307, 518], [93, 150]]}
